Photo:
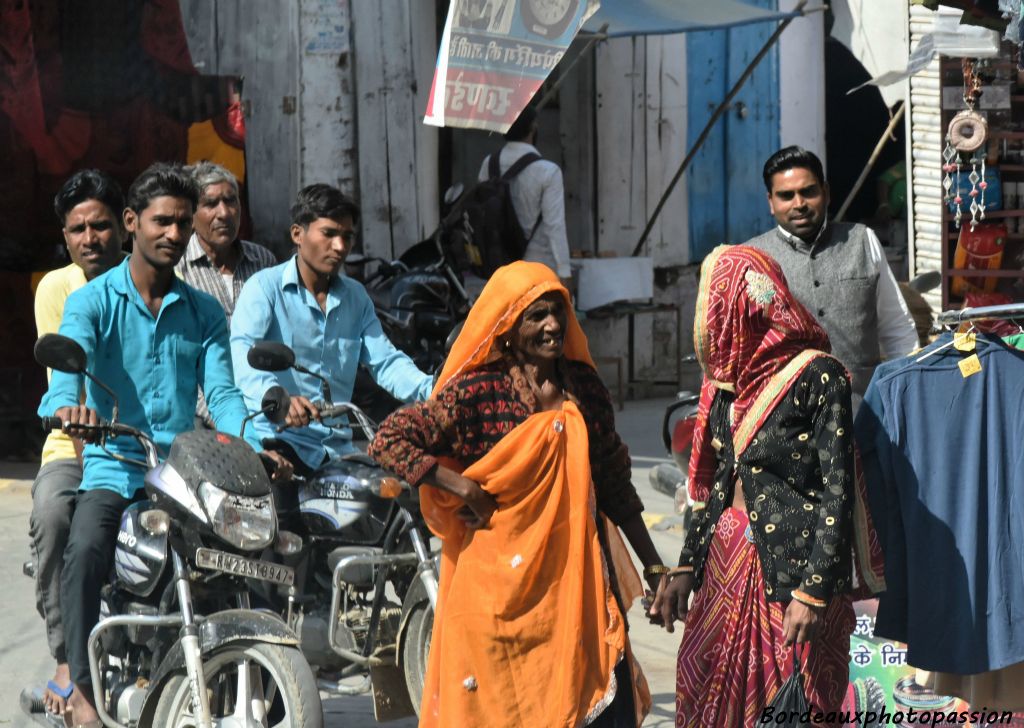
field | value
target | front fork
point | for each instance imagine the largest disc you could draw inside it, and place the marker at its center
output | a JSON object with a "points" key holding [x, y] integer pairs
{"points": [[426, 568], [191, 648]]}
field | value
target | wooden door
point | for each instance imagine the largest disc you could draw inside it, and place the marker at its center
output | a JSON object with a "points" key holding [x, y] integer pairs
{"points": [[727, 200]]}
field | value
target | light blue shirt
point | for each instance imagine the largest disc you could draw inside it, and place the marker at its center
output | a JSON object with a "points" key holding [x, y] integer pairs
{"points": [[274, 305], [154, 365]]}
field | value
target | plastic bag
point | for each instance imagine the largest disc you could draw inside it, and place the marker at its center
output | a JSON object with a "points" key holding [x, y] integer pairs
{"points": [[789, 707]]}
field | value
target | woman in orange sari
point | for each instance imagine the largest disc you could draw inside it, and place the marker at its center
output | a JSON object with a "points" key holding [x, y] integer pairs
{"points": [[769, 554], [526, 484]]}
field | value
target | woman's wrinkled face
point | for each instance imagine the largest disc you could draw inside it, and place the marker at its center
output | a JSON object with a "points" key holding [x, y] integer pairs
{"points": [[540, 332]]}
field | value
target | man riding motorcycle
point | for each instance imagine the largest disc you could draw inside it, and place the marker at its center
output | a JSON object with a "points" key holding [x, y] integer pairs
{"points": [[158, 339], [330, 323], [89, 206]]}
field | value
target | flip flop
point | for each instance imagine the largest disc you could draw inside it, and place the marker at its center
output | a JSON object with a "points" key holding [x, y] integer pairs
{"points": [[59, 691], [32, 703]]}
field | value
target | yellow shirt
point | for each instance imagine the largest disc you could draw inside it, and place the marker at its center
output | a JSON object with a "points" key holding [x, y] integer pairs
{"points": [[51, 293]]}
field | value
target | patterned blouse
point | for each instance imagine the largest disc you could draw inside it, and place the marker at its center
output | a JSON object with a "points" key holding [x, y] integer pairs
{"points": [[798, 486], [479, 408]]}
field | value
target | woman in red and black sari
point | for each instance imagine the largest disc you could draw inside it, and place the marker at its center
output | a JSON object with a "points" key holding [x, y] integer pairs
{"points": [[779, 511]]}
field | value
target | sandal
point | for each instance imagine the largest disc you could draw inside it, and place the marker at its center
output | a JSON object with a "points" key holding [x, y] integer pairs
{"points": [[60, 692]]}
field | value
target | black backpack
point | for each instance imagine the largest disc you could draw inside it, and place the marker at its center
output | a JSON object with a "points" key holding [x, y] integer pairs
{"points": [[497, 237]]}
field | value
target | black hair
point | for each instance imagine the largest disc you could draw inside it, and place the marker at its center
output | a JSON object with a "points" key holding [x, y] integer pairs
{"points": [[88, 184], [792, 158], [320, 200], [162, 180], [522, 126]]}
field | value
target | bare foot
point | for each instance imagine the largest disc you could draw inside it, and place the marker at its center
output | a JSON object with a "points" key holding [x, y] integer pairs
{"points": [[55, 703], [80, 707]]}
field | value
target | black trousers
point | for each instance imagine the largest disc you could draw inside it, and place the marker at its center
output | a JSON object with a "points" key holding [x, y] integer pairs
{"points": [[87, 561]]}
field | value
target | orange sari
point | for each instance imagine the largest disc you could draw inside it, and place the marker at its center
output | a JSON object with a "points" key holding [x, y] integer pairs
{"points": [[527, 630]]}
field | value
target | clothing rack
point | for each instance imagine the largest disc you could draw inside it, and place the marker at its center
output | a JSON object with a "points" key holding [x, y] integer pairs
{"points": [[982, 313]]}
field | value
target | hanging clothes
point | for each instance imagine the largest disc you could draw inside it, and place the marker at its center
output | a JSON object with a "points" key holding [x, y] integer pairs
{"points": [[945, 470]]}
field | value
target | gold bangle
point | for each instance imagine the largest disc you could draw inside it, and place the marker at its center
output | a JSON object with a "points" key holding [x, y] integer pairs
{"points": [[655, 570], [672, 573]]}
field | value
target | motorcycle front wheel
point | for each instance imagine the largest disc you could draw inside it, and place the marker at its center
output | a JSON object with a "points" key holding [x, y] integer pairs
{"points": [[415, 651], [249, 685]]}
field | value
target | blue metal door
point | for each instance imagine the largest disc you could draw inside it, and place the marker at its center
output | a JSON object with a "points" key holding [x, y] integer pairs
{"points": [[727, 201]]}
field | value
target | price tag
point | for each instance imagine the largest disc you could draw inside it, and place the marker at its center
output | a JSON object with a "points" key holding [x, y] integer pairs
{"points": [[965, 342], [970, 365]]}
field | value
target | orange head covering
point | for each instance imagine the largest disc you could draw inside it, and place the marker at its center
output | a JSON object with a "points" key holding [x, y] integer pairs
{"points": [[507, 294]]}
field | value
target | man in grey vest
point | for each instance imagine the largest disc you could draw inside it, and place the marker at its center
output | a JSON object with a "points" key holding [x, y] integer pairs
{"points": [[837, 270]]}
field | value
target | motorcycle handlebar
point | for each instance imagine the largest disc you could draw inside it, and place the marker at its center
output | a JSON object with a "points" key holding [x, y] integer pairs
{"points": [[114, 428], [52, 423]]}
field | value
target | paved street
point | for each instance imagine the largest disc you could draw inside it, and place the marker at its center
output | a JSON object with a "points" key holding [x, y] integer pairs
{"points": [[24, 658]]}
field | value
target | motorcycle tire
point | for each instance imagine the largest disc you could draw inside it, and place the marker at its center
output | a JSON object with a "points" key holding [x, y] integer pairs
{"points": [[295, 702], [415, 650]]}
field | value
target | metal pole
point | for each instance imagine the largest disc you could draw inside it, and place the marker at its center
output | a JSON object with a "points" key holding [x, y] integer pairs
{"points": [[722, 107], [871, 162], [591, 42]]}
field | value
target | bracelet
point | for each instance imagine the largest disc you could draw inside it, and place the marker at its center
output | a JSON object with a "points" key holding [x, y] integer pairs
{"points": [[808, 600], [655, 570], [672, 573]]}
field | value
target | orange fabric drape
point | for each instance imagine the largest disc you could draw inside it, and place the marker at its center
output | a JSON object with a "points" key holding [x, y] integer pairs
{"points": [[527, 631]]}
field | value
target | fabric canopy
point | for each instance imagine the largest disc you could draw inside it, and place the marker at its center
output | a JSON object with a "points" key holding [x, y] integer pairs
{"points": [[658, 17]]}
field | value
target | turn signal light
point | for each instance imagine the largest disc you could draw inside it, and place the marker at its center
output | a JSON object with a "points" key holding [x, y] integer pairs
{"points": [[390, 487], [288, 543], [155, 522]]}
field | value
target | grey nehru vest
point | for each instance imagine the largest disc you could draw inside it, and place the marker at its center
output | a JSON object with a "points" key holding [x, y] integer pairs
{"points": [[837, 282]]}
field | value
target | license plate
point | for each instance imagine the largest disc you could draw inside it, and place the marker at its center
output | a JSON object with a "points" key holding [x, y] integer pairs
{"points": [[249, 568]]}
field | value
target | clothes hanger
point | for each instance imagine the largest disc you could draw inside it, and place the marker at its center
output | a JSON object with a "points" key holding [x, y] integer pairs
{"points": [[955, 339]]}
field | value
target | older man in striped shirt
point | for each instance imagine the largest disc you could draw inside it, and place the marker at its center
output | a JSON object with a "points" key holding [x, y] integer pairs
{"points": [[216, 260]]}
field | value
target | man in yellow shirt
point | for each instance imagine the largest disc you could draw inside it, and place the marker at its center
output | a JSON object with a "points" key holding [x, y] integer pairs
{"points": [[89, 207]]}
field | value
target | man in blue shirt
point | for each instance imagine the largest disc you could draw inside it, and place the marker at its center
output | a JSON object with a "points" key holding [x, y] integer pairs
{"points": [[154, 340], [327, 319]]}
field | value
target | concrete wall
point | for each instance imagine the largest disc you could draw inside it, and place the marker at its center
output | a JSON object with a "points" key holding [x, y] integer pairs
{"points": [[802, 82]]}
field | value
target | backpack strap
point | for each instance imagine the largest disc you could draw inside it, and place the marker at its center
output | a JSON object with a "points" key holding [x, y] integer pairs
{"points": [[520, 164]]}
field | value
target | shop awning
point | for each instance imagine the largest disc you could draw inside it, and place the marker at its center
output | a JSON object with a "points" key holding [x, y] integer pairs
{"points": [[658, 17]]}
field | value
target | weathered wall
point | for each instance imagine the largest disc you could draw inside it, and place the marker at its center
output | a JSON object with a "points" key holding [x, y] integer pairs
{"points": [[257, 40], [639, 140], [334, 91], [802, 82], [395, 44]]}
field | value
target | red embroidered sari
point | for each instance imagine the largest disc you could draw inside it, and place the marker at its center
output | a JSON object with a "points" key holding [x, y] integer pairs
{"points": [[754, 339]]}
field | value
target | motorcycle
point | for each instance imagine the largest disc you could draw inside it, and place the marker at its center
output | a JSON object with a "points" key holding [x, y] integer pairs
{"points": [[418, 298], [177, 644], [363, 601], [677, 435]]}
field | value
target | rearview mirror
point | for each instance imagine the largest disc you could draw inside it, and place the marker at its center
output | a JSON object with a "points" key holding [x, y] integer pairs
{"points": [[60, 353], [270, 356], [275, 404], [453, 193], [926, 281]]}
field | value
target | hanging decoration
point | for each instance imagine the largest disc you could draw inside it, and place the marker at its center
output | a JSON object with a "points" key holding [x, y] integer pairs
{"points": [[966, 137]]}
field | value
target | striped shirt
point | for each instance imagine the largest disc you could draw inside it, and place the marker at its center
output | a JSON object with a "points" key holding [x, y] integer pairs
{"points": [[197, 270]]}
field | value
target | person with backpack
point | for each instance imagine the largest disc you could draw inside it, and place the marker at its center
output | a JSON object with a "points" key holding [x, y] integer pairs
{"points": [[518, 209]]}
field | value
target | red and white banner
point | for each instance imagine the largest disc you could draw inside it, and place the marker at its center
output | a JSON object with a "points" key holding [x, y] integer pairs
{"points": [[494, 56]]}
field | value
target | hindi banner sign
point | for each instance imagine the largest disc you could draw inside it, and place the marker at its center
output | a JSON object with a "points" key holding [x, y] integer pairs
{"points": [[495, 54]]}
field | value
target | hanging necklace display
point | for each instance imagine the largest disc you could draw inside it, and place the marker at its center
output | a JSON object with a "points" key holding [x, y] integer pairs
{"points": [[967, 133]]}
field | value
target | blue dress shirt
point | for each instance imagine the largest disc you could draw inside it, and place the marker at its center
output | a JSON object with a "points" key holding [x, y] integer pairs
{"points": [[155, 366], [274, 305], [945, 476]]}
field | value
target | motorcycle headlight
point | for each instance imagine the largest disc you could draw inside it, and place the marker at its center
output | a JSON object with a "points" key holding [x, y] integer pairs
{"points": [[247, 523]]}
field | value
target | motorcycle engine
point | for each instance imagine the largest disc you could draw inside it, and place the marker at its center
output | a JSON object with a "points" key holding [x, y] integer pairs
{"points": [[313, 631]]}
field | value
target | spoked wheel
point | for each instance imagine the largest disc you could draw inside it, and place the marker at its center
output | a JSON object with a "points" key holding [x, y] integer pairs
{"points": [[250, 686]]}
